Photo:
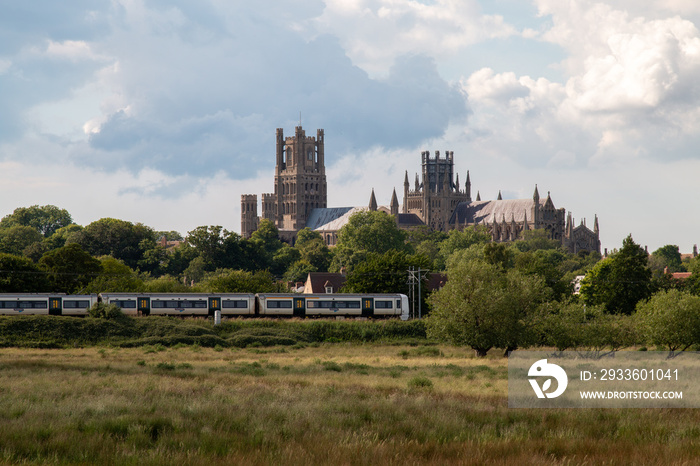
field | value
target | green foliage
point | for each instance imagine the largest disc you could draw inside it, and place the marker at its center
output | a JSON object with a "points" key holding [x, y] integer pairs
{"points": [[214, 245], [367, 232], [21, 275], [240, 281], [533, 240], [670, 319], [165, 284], [106, 311], [546, 263], [17, 238], [109, 329], [576, 326], [668, 256], [620, 281], [299, 271], [313, 249], [43, 219], [461, 239], [484, 306], [117, 238], [264, 336], [114, 277], [383, 273], [283, 258], [69, 268]]}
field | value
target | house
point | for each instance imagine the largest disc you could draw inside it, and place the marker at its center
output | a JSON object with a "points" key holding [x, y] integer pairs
{"points": [[324, 282]]}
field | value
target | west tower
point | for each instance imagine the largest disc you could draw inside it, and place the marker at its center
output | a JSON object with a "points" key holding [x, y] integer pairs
{"points": [[299, 184]]}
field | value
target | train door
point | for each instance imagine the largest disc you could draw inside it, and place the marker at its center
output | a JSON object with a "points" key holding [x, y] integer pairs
{"points": [[55, 306], [214, 305], [144, 306], [367, 307], [299, 307]]}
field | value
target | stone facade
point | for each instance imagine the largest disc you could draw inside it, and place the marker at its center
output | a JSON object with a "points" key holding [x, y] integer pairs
{"points": [[436, 200], [299, 185], [439, 203]]}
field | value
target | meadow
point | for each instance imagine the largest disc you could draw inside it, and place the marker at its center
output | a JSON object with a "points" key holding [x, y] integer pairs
{"points": [[318, 403]]}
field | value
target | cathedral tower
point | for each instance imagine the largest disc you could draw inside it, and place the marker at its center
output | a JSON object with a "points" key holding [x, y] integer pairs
{"points": [[300, 184]]}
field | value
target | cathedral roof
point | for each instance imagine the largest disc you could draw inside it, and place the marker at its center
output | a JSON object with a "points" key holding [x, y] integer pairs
{"points": [[331, 218], [488, 211], [410, 220]]}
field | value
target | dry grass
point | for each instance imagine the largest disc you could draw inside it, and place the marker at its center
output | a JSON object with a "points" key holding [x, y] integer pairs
{"points": [[339, 404]]}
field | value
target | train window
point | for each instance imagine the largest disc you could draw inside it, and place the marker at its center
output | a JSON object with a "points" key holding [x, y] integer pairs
{"points": [[382, 305], [199, 304], [125, 303], [273, 304], [229, 304], [398, 304], [158, 304], [76, 304]]}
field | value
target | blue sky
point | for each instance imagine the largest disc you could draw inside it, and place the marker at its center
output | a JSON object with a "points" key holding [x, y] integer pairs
{"points": [[165, 112]]}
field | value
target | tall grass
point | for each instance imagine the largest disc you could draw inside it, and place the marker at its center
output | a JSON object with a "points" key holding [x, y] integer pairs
{"points": [[340, 404]]}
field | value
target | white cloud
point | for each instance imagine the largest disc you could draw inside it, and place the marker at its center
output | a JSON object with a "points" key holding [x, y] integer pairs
{"points": [[375, 32]]}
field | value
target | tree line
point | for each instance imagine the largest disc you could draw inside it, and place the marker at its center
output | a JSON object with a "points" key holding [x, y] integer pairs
{"points": [[505, 295]]}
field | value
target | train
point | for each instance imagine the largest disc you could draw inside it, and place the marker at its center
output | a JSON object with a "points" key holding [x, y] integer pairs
{"points": [[371, 305]]}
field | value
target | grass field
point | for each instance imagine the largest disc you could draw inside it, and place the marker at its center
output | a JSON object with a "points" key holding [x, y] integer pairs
{"points": [[326, 403]]}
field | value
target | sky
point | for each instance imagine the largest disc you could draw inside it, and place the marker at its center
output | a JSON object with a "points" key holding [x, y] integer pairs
{"points": [[164, 112]]}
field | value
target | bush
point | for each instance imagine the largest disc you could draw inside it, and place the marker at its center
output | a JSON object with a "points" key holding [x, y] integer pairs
{"points": [[105, 311]]}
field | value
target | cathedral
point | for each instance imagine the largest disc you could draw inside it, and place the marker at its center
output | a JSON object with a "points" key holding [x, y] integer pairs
{"points": [[436, 200], [299, 186]]}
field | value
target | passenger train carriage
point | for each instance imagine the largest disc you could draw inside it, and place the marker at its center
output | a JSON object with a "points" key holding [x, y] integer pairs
{"points": [[46, 304], [188, 304], [323, 305], [206, 304]]}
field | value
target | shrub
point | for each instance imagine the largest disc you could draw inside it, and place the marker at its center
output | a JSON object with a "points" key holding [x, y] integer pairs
{"points": [[105, 311], [420, 382]]}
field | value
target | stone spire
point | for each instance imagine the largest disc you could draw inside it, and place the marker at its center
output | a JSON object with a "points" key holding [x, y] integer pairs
{"points": [[500, 198], [394, 206], [478, 196], [372, 202], [468, 188]]}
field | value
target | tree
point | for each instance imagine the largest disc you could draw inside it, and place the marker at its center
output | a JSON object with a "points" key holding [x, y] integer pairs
{"points": [[17, 238], [211, 244], [44, 219], [572, 325], [383, 273], [461, 239], [21, 275], [299, 271], [69, 268], [313, 249], [262, 246], [668, 256], [117, 238], [533, 240], [240, 281], [670, 319], [484, 306], [546, 263], [620, 281], [367, 232], [115, 276]]}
